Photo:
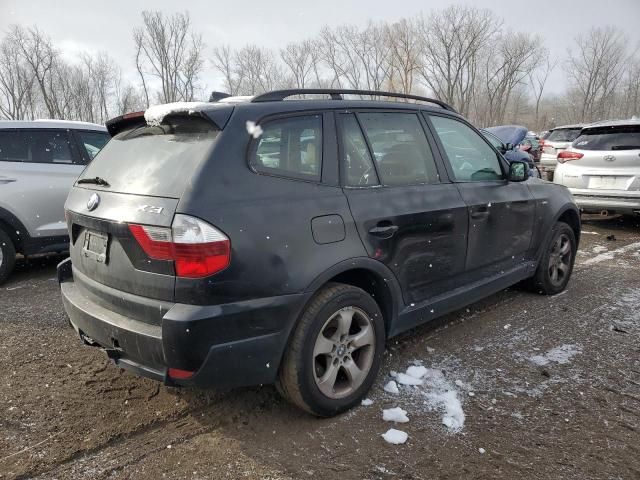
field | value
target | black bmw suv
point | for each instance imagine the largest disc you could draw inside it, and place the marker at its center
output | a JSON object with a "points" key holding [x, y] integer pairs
{"points": [[279, 239]]}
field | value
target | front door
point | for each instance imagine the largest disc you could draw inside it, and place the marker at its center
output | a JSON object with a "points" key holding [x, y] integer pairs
{"points": [[501, 213], [407, 217]]}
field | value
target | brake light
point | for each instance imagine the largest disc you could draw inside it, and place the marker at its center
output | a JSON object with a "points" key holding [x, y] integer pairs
{"points": [[196, 248], [178, 374], [567, 156]]}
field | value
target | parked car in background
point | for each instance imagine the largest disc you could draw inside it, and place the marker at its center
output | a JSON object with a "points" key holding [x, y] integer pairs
{"points": [[559, 139], [507, 140], [602, 167], [293, 261], [39, 162]]}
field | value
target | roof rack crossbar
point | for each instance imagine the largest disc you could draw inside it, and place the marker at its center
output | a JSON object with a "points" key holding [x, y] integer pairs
{"points": [[336, 94]]}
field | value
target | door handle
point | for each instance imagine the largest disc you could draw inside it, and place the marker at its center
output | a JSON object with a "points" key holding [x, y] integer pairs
{"points": [[384, 231], [480, 212], [7, 180]]}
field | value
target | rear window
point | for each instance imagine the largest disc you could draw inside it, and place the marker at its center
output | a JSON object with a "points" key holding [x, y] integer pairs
{"points": [[154, 160], [564, 135], [609, 138]]}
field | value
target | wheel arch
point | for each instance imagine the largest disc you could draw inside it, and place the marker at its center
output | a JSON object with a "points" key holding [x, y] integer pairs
{"points": [[14, 228]]}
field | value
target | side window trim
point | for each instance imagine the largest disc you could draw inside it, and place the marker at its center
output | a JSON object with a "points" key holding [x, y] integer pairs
{"points": [[447, 163], [254, 142]]}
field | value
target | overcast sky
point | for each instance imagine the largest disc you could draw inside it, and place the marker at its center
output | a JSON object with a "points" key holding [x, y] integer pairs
{"points": [[77, 25]]}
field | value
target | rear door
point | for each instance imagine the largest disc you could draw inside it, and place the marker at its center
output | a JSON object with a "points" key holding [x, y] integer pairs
{"points": [[37, 169], [500, 213], [146, 170], [407, 213]]}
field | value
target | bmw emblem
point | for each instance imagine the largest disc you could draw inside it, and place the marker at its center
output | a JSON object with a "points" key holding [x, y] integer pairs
{"points": [[94, 201]]}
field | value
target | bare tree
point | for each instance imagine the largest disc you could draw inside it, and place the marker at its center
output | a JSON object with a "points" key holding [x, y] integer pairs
{"points": [[167, 50], [513, 57], [538, 80], [300, 60], [595, 70], [453, 41], [16, 83], [630, 104], [404, 44]]}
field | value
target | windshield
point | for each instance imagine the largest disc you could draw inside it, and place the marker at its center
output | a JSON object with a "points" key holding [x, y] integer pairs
{"points": [[564, 135], [610, 138], [154, 160]]}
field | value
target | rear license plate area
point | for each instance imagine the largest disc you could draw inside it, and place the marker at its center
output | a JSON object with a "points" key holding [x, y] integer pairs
{"points": [[95, 246], [608, 182]]}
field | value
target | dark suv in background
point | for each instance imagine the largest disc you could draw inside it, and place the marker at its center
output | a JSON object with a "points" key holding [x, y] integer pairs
{"points": [[249, 242]]}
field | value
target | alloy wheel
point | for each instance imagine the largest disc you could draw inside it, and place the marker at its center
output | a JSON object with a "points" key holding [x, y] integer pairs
{"points": [[560, 259], [343, 352]]}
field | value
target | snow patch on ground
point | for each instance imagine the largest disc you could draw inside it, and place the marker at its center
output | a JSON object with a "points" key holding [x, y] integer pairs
{"points": [[561, 355], [407, 379], [156, 113], [366, 402], [599, 249], [610, 255], [391, 387], [396, 414], [396, 437]]}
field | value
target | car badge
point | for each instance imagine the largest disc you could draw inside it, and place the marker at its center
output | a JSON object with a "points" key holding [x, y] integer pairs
{"points": [[609, 158], [93, 202]]}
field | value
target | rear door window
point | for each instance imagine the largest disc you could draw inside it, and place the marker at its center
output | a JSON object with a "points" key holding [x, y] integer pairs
{"points": [[290, 147], [625, 137], [92, 142], [400, 148], [36, 146], [470, 156], [157, 160], [356, 160]]}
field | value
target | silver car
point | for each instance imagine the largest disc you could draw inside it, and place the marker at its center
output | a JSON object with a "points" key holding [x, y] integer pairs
{"points": [[558, 139], [602, 167], [39, 162]]}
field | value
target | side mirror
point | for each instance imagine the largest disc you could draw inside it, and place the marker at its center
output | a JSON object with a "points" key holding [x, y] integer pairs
{"points": [[518, 171]]}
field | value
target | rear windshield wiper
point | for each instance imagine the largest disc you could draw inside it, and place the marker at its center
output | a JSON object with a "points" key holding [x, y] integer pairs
{"points": [[95, 181], [625, 147]]}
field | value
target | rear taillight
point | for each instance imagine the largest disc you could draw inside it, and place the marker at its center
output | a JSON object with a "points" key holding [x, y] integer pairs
{"points": [[567, 156], [179, 374], [196, 248]]}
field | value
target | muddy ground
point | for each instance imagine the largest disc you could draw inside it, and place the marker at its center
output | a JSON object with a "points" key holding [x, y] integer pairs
{"points": [[65, 412]]}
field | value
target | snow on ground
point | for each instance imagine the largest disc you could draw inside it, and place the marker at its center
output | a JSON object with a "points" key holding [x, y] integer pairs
{"points": [[561, 355], [156, 113], [612, 253], [366, 402], [396, 414], [396, 437], [391, 387], [407, 379]]}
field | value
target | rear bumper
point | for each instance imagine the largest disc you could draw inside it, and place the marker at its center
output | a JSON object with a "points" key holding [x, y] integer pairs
{"points": [[590, 202], [228, 345]]}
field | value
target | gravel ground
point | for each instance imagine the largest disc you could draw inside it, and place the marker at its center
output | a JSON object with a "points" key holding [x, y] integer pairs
{"points": [[549, 386]]}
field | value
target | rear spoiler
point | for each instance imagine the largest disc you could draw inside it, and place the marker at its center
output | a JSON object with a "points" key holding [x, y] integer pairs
{"points": [[219, 116]]}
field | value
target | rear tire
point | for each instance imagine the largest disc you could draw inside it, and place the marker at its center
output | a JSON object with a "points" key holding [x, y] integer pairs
{"points": [[7, 256], [556, 263], [335, 352]]}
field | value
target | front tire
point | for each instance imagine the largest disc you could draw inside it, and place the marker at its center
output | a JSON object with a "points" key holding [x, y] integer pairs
{"points": [[556, 263], [335, 352], [7, 256]]}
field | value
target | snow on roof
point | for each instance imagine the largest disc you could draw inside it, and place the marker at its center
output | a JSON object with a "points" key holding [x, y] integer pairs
{"points": [[615, 123], [51, 123], [237, 99], [156, 113]]}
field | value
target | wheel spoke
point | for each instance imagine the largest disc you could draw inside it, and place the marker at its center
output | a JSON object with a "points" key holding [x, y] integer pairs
{"points": [[323, 346], [566, 248], [364, 337], [554, 274], [354, 374], [345, 317], [328, 380], [563, 267]]}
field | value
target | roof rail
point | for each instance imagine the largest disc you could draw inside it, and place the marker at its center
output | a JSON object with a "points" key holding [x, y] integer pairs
{"points": [[336, 94]]}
